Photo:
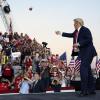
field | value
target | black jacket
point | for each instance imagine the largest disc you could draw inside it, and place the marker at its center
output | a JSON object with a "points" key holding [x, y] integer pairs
{"points": [[38, 87], [85, 40]]}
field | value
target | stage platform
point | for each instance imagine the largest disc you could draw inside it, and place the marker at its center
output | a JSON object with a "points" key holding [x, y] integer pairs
{"points": [[50, 96]]}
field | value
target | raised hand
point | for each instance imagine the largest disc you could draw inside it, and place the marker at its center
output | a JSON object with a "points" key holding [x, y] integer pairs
{"points": [[58, 32]]}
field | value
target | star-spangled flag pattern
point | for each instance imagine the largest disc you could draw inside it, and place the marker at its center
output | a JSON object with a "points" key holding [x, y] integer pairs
{"points": [[74, 66], [98, 67]]}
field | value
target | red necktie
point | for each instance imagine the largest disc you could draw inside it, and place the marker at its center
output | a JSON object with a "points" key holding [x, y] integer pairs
{"points": [[75, 36]]}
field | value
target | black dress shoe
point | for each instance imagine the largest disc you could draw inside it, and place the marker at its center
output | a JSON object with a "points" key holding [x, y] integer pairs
{"points": [[92, 93], [81, 94]]}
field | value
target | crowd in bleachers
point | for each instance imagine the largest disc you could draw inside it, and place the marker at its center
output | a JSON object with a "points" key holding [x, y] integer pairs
{"points": [[27, 66]]}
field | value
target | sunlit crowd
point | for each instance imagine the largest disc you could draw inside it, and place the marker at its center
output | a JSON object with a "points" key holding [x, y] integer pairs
{"points": [[27, 66]]}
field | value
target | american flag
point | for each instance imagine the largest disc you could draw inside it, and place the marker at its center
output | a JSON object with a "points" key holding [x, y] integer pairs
{"points": [[77, 65], [74, 66], [71, 66], [98, 66], [63, 58]]}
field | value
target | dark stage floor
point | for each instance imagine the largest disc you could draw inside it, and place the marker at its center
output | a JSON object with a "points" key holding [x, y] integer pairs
{"points": [[50, 96]]}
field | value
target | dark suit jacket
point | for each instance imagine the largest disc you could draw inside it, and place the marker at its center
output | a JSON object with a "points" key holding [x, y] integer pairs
{"points": [[85, 40], [38, 87]]}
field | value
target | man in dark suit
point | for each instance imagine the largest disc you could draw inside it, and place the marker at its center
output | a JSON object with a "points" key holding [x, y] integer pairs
{"points": [[38, 85], [84, 49]]}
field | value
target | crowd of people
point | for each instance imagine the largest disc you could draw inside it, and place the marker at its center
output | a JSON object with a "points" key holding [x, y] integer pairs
{"points": [[34, 69]]}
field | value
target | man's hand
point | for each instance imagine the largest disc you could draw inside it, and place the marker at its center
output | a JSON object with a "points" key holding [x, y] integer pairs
{"points": [[58, 32], [76, 45], [76, 49]]}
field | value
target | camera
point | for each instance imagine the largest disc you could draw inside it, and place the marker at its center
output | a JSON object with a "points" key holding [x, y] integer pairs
{"points": [[6, 9], [44, 44]]}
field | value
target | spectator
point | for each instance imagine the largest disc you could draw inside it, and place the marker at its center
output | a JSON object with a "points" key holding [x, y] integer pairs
{"points": [[8, 72], [24, 86], [4, 58], [45, 73], [38, 85], [28, 62], [17, 81], [56, 85], [29, 73]]}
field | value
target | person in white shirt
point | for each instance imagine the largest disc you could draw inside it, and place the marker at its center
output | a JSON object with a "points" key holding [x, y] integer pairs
{"points": [[24, 86]]}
